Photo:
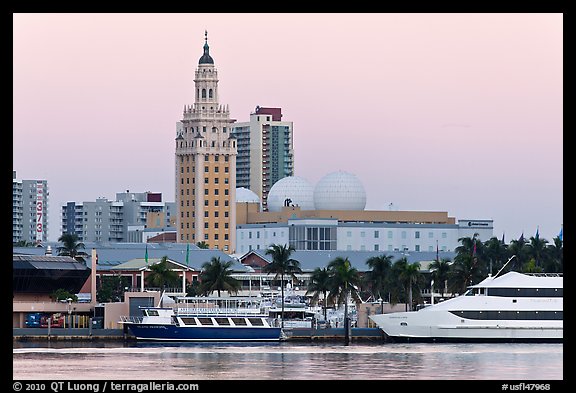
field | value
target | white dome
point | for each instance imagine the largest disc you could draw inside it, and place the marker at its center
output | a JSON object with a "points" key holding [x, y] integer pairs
{"points": [[339, 191], [246, 195], [297, 189]]}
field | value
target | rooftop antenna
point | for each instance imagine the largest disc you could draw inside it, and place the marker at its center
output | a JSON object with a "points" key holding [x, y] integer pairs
{"points": [[502, 268]]}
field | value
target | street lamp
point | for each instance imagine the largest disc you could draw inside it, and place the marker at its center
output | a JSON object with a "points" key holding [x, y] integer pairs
{"points": [[69, 308]]}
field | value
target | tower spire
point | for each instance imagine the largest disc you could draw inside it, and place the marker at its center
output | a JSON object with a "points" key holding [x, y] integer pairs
{"points": [[206, 58]]}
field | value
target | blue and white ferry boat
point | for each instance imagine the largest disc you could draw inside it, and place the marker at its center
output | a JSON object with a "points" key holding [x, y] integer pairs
{"points": [[205, 319]]}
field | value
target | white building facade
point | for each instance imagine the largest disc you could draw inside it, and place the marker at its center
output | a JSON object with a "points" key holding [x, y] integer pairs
{"points": [[330, 234]]}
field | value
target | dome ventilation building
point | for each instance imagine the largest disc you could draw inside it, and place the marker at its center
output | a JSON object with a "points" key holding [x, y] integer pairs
{"points": [[295, 191], [339, 191]]}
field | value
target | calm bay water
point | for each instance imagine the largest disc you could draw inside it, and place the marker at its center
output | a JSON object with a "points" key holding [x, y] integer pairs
{"points": [[286, 361]]}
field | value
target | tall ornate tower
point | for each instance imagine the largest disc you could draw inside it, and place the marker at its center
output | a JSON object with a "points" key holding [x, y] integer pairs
{"points": [[206, 165]]}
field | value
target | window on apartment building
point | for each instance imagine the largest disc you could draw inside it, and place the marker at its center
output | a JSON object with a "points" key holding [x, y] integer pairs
{"points": [[376, 247], [206, 180], [206, 213], [376, 234], [216, 214], [206, 202], [205, 225], [225, 169], [417, 235], [206, 191]]}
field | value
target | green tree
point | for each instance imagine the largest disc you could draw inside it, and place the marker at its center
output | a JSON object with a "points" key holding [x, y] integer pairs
{"points": [[216, 276], [70, 245], [555, 257], [203, 245], [282, 264], [319, 284], [537, 250], [111, 288], [161, 276], [63, 294], [440, 271], [344, 283], [409, 275], [496, 253], [379, 276]]}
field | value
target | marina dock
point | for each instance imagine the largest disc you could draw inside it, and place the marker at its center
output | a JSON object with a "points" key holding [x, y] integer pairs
{"points": [[294, 334]]}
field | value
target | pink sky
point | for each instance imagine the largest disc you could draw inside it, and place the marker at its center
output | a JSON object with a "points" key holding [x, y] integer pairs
{"points": [[443, 112]]}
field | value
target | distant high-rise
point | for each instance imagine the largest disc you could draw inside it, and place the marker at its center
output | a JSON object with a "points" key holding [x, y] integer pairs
{"points": [[206, 165], [119, 221], [265, 151], [29, 210]]}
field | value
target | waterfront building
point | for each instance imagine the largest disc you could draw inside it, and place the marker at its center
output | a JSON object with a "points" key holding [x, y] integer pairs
{"points": [[332, 216], [265, 151], [123, 220], [29, 210], [206, 165]]}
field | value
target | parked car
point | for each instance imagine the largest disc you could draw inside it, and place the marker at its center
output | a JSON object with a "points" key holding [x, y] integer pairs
{"points": [[33, 319]]}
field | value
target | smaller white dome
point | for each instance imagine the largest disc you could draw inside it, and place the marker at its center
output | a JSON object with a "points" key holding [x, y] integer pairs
{"points": [[295, 190], [246, 195]]}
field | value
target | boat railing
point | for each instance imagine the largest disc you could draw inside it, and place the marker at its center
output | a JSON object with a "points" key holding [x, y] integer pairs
{"points": [[240, 311], [130, 319], [544, 274]]}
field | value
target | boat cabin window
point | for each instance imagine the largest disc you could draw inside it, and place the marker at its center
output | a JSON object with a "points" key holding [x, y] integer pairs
{"points": [[256, 321], [189, 321], [469, 293], [239, 321], [222, 321], [205, 321], [151, 313]]}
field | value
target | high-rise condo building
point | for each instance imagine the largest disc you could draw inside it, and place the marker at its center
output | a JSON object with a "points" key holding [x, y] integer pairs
{"points": [[265, 151], [206, 165], [29, 210], [121, 221]]}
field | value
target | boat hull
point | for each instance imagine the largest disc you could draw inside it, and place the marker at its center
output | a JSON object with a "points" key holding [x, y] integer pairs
{"points": [[159, 332], [441, 326]]}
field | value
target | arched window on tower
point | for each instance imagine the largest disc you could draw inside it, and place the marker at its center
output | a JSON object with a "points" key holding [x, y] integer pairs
{"points": [[203, 93], [197, 93], [210, 93]]}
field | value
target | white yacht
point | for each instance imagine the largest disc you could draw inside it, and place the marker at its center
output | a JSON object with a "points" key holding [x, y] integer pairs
{"points": [[514, 307]]}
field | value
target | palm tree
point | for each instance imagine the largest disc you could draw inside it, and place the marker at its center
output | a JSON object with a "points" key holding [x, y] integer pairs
{"points": [[344, 283], [409, 274], [319, 284], [495, 252], [537, 249], [203, 245], [70, 245], [217, 276], [555, 257], [282, 265], [465, 271], [379, 275], [161, 276], [440, 270]]}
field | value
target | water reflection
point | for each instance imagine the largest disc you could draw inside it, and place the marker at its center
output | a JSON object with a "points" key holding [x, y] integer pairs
{"points": [[284, 361]]}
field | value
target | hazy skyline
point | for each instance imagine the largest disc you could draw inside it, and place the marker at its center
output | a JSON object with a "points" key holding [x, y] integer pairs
{"points": [[460, 113]]}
